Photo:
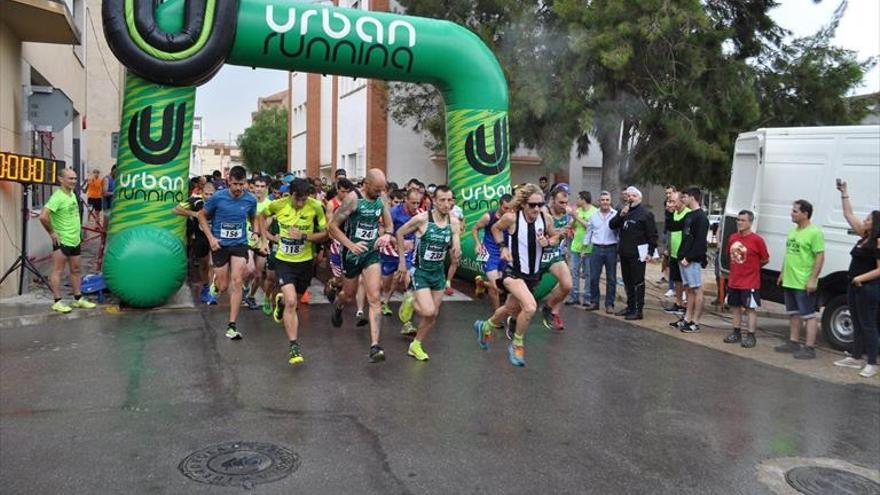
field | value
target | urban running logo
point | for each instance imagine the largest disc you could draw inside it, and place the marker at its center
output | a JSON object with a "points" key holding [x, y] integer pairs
{"points": [[334, 47], [479, 157], [164, 149]]}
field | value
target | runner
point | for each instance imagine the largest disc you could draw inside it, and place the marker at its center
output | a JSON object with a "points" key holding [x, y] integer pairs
{"points": [[301, 223], [435, 232], [489, 251], [258, 256], [392, 278], [359, 216], [198, 243], [271, 231], [553, 260], [229, 210], [530, 232], [60, 218], [334, 285]]}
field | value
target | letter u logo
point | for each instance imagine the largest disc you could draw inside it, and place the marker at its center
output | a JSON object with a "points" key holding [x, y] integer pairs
{"points": [[164, 149], [479, 157]]}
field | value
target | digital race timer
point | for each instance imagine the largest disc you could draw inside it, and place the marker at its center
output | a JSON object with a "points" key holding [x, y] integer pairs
{"points": [[29, 169]]}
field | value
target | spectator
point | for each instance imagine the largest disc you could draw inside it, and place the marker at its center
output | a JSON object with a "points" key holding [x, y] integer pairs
{"points": [[603, 239], [638, 241], [544, 184], [863, 293], [679, 211], [692, 258], [217, 179], [748, 253], [667, 220], [804, 257], [95, 195], [109, 187], [581, 250]]}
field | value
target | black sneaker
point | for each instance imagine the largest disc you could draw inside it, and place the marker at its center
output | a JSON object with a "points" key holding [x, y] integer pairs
{"points": [[748, 341], [622, 312], [690, 327], [674, 309], [788, 347], [635, 315], [377, 355], [679, 323], [547, 315], [294, 353], [251, 303], [805, 352], [336, 317], [734, 337], [361, 318]]}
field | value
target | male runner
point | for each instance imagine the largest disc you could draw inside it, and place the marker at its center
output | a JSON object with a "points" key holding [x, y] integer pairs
{"points": [[301, 223], [553, 260], [530, 231], [229, 209], [259, 257], [488, 250], [198, 242], [390, 254], [436, 231], [355, 225], [270, 230], [60, 218], [334, 285]]}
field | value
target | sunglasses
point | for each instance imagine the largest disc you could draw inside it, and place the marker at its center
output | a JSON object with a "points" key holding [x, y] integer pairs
{"points": [[535, 205]]}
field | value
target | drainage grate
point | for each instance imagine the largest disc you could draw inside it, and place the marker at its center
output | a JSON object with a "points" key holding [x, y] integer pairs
{"points": [[812, 480], [240, 464]]}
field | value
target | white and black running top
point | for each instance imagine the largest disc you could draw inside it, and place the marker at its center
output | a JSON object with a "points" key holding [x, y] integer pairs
{"points": [[524, 247]]}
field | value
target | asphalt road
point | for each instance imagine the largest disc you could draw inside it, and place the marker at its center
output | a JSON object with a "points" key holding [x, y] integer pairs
{"points": [[113, 404]]}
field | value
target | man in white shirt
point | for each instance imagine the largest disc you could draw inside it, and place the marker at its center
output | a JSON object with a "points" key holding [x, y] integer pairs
{"points": [[604, 241]]}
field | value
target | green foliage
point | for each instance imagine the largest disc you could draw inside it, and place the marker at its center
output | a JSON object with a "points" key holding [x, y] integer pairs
{"points": [[664, 86], [264, 144]]}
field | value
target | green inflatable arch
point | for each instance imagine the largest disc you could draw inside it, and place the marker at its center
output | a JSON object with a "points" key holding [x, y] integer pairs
{"points": [[182, 43]]}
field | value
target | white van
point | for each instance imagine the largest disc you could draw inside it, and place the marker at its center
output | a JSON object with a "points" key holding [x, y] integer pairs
{"points": [[774, 167]]}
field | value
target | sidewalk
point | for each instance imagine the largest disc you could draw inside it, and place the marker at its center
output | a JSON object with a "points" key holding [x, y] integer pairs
{"points": [[772, 330]]}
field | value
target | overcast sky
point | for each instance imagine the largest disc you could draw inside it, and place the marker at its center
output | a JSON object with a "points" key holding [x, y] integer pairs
{"points": [[226, 102]]}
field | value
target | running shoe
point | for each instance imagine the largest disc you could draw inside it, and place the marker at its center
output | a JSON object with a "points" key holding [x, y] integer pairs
{"points": [[61, 307], [690, 327], [734, 337], [267, 307], [850, 362], [251, 304], [336, 317], [516, 354], [869, 370], [483, 338], [669, 293], [213, 290], [211, 300], [674, 309], [415, 350], [305, 298], [547, 315], [377, 355], [361, 319], [806, 352], [278, 313], [788, 347], [294, 354], [558, 325], [386, 309], [203, 295], [679, 323], [232, 333], [748, 341], [406, 307], [509, 327], [83, 303], [408, 329]]}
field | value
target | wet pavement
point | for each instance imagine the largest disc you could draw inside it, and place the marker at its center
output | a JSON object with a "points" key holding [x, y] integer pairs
{"points": [[114, 404]]}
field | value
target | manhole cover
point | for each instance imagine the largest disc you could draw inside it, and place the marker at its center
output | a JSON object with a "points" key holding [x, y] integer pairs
{"points": [[242, 464], [812, 480]]}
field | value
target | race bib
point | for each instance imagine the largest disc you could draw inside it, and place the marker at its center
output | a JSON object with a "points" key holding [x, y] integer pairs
{"points": [[547, 256], [482, 258], [291, 247], [231, 230], [431, 255], [365, 232]]}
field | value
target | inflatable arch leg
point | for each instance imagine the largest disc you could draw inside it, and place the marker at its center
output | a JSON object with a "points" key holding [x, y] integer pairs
{"points": [[184, 42]]}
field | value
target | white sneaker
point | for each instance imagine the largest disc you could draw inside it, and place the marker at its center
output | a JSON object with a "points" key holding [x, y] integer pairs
{"points": [[869, 370], [669, 293], [850, 362]]}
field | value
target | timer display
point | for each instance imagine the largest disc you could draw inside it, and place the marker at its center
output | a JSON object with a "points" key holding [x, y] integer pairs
{"points": [[29, 169]]}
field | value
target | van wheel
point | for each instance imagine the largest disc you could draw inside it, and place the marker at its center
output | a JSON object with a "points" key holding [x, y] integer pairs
{"points": [[837, 326]]}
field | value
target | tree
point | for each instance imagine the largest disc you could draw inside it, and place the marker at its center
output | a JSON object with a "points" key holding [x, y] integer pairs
{"points": [[264, 144]]}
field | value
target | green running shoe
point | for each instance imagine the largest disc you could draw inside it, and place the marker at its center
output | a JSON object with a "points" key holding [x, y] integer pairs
{"points": [[408, 329], [406, 307], [232, 333], [294, 354], [267, 307], [386, 309], [278, 312], [61, 307], [416, 351]]}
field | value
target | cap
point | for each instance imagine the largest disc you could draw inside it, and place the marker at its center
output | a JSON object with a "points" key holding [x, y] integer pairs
{"points": [[341, 172]]}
